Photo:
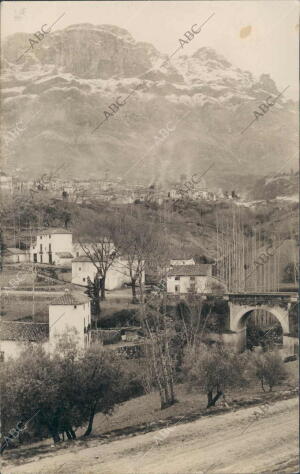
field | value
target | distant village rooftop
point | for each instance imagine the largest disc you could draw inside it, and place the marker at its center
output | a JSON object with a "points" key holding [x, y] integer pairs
{"points": [[64, 254], [15, 251], [202, 269], [82, 258], [54, 231]]}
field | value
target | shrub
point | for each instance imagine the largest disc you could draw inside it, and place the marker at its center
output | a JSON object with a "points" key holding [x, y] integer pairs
{"points": [[269, 368], [213, 369], [121, 318]]}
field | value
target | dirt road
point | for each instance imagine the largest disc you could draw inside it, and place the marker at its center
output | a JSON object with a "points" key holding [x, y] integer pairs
{"points": [[228, 443]]}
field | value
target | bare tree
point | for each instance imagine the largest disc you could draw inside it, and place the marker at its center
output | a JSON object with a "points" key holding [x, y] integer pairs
{"points": [[2, 250], [97, 242], [102, 255], [140, 243], [158, 352]]}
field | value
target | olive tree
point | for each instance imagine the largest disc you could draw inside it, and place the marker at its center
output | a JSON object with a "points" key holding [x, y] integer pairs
{"points": [[63, 389], [268, 368], [213, 370]]}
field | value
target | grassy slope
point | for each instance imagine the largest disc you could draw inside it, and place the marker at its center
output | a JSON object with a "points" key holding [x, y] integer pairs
{"points": [[142, 414], [145, 409]]}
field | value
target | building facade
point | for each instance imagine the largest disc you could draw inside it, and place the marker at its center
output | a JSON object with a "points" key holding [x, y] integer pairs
{"points": [[117, 275], [52, 247], [6, 183], [16, 335], [14, 255], [67, 313], [183, 279]]}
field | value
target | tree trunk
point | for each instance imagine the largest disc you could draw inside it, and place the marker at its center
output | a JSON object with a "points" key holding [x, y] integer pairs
{"points": [[213, 400], [3, 447], [53, 430], [262, 385], [91, 420], [133, 288], [70, 432], [102, 288], [55, 436], [97, 307], [209, 398], [141, 289]]}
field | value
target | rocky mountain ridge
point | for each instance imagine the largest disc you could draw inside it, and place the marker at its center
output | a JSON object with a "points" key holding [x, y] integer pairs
{"points": [[72, 76]]}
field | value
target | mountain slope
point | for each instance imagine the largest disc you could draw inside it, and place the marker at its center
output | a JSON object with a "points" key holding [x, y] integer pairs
{"points": [[72, 76]]}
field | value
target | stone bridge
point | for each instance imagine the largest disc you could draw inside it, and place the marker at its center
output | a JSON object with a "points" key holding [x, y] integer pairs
{"points": [[241, 306]]}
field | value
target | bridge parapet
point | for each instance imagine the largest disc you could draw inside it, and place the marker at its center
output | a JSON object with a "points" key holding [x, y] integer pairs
{"points": [[272, 299]]}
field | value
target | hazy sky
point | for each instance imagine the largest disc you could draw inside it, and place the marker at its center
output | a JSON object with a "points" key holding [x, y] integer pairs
{"points": [[269, 46]]}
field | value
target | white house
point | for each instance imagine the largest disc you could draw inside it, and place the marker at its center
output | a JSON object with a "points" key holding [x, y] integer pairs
{"points": [[6, 183], [70, 312], [14, 255], [81, 249], [116, 276], [184, 279], [67, 313], [16, 335], [52, 246]]}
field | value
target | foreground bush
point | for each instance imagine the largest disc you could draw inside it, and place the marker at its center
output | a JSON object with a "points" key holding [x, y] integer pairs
{"points": [[65, 390], [213, 370], [268, 368]]}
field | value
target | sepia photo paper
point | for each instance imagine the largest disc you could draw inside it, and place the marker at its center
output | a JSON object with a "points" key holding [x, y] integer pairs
{"points": [[149, 237]]}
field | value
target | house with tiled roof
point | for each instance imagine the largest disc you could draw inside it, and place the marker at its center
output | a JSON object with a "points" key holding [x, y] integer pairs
{"points": [[14, 255], [182, 259], [70, 312], [16, 335], [185, 279]]}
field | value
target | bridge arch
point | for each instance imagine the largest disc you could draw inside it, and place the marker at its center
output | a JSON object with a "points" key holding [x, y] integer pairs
{"points": [[239, 313], [241, 316]]}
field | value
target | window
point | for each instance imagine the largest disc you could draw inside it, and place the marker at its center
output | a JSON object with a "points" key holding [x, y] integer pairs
{"points": [[177, 288], [41, 248], [75, 306], [41, 236], [79, 268], [49, 247], [49, 236], [192, 278], [77, 254], [83, 279], [177, 278]]}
